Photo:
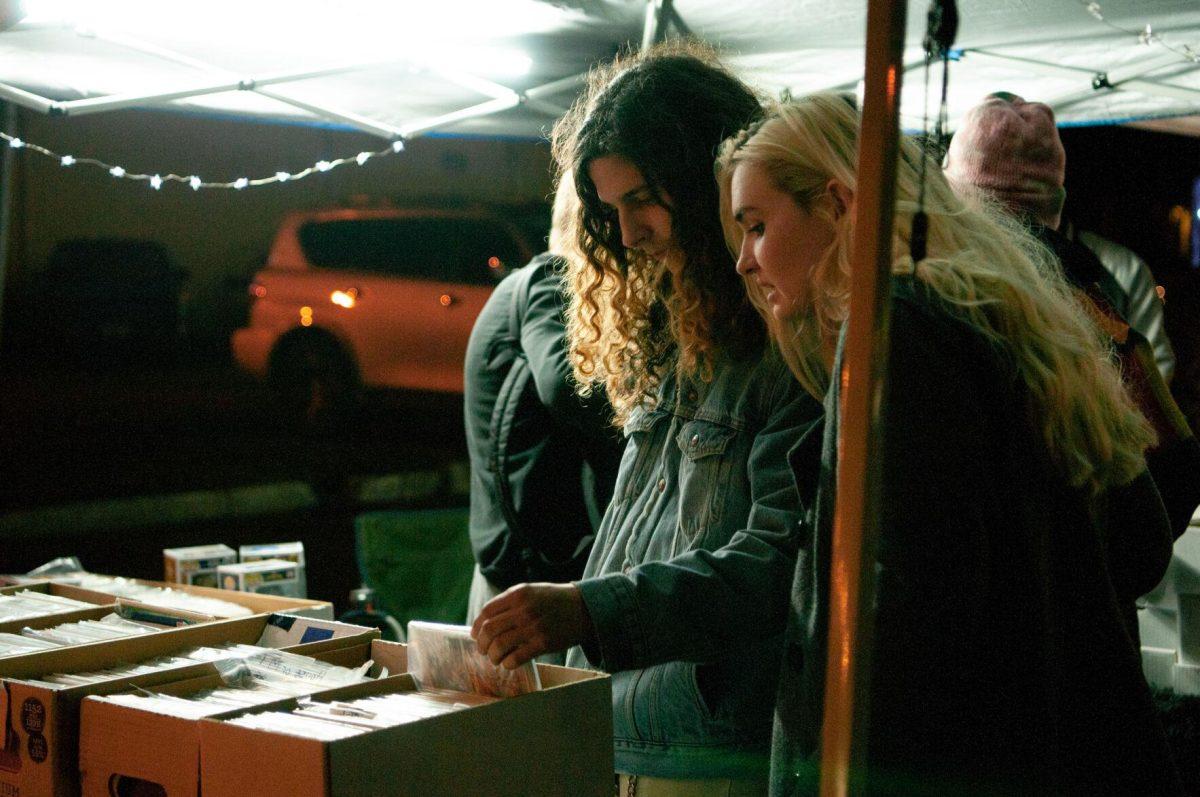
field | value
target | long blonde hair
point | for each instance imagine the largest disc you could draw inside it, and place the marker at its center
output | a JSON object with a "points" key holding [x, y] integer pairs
{"points": [[986, 268]]}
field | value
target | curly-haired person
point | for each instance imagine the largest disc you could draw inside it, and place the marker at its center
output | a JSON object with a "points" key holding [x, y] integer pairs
{"points": [[705, 518]]}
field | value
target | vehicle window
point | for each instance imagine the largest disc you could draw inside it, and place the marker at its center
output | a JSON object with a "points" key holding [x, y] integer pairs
{"points": [[473, 251]]}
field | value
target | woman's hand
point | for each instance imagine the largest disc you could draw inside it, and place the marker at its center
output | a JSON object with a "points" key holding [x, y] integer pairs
{"points": [[528, 620]]}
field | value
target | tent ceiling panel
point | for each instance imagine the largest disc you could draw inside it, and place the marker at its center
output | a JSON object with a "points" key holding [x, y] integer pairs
{"points": [[1043, 49]]}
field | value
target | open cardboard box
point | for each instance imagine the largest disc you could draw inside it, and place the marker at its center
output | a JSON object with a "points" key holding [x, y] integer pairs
{"points": [[554, 742], [39, 755], [121, 746], [101, 605], [259, 604], [130, 610]]}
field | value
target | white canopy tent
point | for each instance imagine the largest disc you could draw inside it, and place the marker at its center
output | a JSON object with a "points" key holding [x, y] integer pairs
{"points": [[507, 68], [399, 69], [1115, 61]]}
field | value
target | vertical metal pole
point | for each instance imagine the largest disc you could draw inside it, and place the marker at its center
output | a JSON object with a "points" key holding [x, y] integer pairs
{"points": [[659, 14], [856, 514], [6, 190]]}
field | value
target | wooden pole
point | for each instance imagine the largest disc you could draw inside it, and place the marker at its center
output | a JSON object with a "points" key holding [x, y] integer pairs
{"points": [[856, 514]]}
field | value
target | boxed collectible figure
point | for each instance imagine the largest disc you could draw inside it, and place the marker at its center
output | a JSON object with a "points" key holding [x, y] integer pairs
{"points": [[291, 551], [264, 577], [197, 564]]}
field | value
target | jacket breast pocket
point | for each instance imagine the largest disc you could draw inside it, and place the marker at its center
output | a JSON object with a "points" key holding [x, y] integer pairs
{"points": [[641, 453], [705, 467]]}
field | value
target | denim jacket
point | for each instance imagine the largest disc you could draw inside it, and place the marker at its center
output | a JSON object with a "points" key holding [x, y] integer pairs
{"points": [[694, 643]]}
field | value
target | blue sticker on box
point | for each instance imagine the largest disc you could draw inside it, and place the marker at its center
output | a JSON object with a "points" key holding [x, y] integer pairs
{"points": [[316, 634]]}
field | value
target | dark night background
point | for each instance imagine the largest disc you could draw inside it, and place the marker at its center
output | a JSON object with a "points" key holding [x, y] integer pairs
{"points": [[91, 442]]}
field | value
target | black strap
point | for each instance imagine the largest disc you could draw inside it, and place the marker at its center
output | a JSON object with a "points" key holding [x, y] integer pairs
{"points": [[515, 382]]}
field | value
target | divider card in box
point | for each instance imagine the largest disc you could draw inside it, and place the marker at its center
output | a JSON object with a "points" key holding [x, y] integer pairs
{"points": [[555, 741], [127, 740], [290, 551], [41, 745], [196, 564]]}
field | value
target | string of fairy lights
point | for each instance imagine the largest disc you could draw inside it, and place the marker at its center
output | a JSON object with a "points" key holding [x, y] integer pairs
{"points": [[195, 182], [1146, 35]]}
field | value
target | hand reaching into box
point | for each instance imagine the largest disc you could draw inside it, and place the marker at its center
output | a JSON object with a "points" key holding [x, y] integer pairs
{"points": [[528, 620]]}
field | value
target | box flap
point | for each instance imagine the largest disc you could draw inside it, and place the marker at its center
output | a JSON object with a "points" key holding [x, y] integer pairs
{"points": [[285, 630]]}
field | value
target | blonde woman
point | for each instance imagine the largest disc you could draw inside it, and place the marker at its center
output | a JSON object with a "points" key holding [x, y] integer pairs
{"points": [[1016, 512]]}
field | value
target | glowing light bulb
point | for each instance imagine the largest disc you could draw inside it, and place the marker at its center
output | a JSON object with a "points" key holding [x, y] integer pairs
{"points": [[67, 160], [156, 182], [324, 166], [16, 143], [194, 182], [240, 183], [362, 157], [117, 171], [398, 145], [283, 176]]}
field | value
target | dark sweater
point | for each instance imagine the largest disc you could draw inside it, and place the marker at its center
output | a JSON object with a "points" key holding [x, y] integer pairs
{"points": [[1001, 663]]}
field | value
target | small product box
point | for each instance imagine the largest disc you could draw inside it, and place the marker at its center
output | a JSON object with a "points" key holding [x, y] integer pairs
{"points": [[196, 565], [292, 551], [265, 577]]}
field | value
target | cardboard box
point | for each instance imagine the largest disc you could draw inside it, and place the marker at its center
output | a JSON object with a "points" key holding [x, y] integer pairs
{"points": [[67, 615], [120, 746], [557, 741], [322, 610], [130, 610], [264, 577], [40, 753], [196, 564]]}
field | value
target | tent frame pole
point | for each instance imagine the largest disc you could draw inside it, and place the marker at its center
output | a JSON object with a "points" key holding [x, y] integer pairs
{"points": [[1127, 77], [856, 511], [7, 185], [660, 16], [501, 97]]}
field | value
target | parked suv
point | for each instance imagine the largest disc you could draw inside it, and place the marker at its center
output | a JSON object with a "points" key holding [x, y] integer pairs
{"points": [[371, 297]]}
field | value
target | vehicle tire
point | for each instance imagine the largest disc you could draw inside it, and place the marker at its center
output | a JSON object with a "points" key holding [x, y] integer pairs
{"points": [[315, 382]]}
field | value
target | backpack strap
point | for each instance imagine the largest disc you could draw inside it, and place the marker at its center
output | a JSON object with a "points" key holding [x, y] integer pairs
{"points": [[514, 385]]}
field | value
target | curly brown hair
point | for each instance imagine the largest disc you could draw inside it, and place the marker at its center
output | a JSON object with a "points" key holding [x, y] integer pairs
{"points": [[632, 319]]}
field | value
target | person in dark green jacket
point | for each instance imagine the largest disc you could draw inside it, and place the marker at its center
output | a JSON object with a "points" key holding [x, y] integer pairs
{"points": [[1016, 511], [543, 458]]}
